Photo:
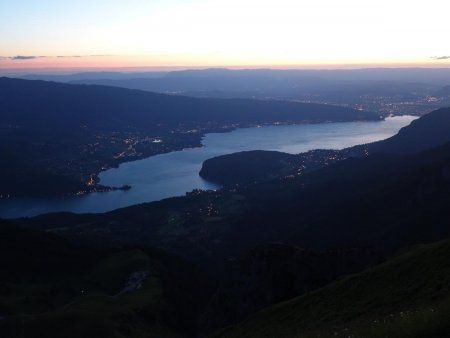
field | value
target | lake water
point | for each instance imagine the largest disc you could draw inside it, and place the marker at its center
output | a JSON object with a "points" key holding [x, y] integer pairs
{"points": [[175, 173]]}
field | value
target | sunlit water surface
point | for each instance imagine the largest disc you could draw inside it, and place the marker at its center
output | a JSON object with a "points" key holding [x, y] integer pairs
{"points": [[175, 173]]}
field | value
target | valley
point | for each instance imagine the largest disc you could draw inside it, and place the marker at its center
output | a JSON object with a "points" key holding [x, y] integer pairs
{"points": [[224, 169], [285, 233]]}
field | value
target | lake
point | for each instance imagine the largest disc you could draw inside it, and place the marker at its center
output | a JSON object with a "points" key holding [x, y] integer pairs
{"points": [[175, 173]]}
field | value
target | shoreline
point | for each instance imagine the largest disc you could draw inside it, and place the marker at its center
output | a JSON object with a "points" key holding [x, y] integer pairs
{"points": [[95, 203], [217, 130], [97, 187]]}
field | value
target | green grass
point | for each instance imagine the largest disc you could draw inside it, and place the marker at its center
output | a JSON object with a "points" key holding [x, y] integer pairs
{"points": [[407, 296]]}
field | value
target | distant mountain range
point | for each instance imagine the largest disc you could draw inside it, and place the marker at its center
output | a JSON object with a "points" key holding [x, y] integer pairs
{"points": [[263, 83], [57, 105], [438, 76], [414, 91]]}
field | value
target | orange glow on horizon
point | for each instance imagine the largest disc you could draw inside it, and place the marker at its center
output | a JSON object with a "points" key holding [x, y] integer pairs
{"points": [[223, 33], [191, 61]]}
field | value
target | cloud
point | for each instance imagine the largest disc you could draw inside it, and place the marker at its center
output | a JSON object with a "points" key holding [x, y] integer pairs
{"points": [[25, 57], [21, 57], [443, 57], [32, 57]]}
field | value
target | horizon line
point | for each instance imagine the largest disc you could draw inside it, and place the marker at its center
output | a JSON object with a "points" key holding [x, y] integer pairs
{"points": [[167, 68]]}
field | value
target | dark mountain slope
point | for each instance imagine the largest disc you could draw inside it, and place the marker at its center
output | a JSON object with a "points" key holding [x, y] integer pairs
{"points": [[51, 288], [382, 200], [273, 273], [429, 131], [405, 297]]}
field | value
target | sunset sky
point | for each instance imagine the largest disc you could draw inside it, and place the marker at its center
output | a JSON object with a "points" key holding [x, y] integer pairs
{"points": [[197, 33]]}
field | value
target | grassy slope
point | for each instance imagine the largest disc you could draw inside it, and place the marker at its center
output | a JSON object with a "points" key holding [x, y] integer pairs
{"points": [[405, 297], [49, 288]]}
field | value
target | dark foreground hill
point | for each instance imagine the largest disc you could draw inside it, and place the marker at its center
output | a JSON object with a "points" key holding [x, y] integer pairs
{"points": [[277, 272], [404, 297], [51, 288], [55, 137]]}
